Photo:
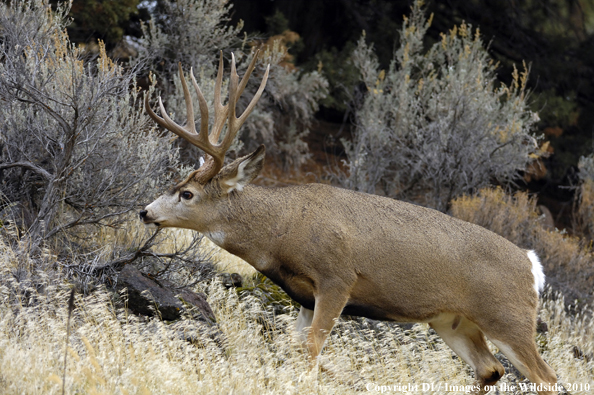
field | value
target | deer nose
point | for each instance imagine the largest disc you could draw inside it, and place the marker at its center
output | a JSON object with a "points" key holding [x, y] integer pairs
{"points": [[143, 214]]}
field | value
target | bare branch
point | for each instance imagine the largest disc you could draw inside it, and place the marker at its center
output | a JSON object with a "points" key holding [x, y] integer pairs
{"points": [[30, 166], [121, 262]]}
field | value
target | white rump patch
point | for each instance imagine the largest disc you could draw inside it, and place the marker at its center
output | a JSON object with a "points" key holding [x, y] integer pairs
{"points": [[539, 277]]}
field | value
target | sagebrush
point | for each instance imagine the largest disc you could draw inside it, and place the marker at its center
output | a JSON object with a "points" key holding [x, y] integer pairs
{"points": [[76, 151], [436, 124]]}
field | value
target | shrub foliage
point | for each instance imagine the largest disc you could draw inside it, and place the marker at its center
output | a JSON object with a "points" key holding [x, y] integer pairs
{"points": [[584, 213], [75, 147], [434, 125]]}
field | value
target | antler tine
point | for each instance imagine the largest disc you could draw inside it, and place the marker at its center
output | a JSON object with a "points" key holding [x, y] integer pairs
{"points": [[233, 85], [236, 122], [220, 109], [232, 126], [223, 113], [255, 99], [167, 122], [248, 73], [152, 114], [189, 131], [190, 127], [203, 107]]}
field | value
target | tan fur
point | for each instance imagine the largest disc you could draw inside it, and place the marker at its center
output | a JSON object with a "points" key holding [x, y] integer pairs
{"points": [[337, 251]]}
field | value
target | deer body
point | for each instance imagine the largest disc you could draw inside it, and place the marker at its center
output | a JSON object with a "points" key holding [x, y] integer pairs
{"points": [[317, 232], [337, 252]]}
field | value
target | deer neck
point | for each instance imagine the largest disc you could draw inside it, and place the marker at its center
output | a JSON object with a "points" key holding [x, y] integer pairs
{"points": [[237, 225]]}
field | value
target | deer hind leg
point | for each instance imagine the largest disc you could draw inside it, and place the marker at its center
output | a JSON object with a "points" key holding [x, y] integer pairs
{"points": [[513, 333], [522, 353], [468, 341]]}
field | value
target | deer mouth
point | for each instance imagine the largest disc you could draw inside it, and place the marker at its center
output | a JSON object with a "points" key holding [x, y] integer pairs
{"points": [[151, 224]]}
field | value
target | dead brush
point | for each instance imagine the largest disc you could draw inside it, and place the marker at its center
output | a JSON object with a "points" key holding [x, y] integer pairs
{"points": [[584, 210]]}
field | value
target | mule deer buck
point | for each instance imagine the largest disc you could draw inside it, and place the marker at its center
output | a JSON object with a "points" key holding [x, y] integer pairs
{"points": [[337, 251]]}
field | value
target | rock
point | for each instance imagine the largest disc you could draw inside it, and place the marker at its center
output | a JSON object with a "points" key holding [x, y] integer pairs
{"points": [[145, 295], [579, 354], [197, 301], [233, 280], [541, 326]]}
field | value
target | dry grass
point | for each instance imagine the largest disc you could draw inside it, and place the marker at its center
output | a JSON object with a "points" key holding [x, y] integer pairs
{"points": [[112, 352], [584, 218]]}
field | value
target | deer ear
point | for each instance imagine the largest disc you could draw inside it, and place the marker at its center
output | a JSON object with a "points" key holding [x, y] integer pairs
{"points": [[242, 171]]}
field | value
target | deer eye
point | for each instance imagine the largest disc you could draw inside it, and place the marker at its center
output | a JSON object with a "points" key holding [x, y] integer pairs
{"points": [[187, 195]]}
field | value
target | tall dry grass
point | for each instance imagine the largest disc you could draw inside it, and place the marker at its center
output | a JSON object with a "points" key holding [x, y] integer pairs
{"points": [[584, 218], [113, 352]]}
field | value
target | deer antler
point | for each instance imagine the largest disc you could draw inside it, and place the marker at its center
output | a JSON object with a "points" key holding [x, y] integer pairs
{"points": [[209, 142]]}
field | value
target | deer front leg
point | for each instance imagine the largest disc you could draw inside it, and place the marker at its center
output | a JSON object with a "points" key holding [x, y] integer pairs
{"points": [[328, 307]]}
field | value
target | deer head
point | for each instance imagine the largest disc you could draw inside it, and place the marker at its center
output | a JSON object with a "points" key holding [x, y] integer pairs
{"points": [[211, 181]]}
